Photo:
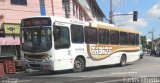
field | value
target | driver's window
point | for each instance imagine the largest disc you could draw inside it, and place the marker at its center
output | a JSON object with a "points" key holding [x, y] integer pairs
{"points": [[61, 37], [56, 33]]}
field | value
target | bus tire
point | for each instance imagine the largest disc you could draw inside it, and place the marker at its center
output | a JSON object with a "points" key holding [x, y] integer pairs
{"points": [[123, 61], [78, 65]]}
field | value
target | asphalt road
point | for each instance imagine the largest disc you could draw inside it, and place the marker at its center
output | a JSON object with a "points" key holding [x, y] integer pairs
{"points": [[141, 71]]}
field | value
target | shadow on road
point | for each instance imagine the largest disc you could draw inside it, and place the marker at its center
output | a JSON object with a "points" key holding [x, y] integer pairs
{"points": [[47, 73]]}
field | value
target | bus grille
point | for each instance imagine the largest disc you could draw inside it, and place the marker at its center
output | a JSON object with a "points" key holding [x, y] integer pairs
{"points": [[35, 56]]}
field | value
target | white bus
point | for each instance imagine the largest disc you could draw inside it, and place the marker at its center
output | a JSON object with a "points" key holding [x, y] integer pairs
{"points": [[54, 43]]}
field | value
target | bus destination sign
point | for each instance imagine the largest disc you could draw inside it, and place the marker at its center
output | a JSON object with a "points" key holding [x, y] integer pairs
{"points": [[36, 22]]}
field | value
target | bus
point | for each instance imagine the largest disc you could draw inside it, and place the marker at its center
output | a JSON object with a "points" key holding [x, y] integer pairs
{"points": [[54, 43]]}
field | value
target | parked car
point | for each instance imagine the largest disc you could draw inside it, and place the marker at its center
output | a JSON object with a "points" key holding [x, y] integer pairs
{"points": [[158, 53]]}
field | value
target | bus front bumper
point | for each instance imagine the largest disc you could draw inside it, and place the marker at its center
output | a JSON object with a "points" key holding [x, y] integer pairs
{"points": [[38, 65]]}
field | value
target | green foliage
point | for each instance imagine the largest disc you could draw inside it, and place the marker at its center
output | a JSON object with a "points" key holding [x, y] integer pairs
{"points": [[149, 45], [143, 41]]}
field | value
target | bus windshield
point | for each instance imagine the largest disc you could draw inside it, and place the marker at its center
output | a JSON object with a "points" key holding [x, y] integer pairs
{"points": [[37, 39]]}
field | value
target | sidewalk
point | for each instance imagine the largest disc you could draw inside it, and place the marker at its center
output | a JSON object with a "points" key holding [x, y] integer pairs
{"points": [[158, 56], [152, 56]]}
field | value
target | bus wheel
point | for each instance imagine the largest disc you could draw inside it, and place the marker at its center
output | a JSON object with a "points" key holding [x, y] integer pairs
{"points": [[123, 60], [78, 65]]}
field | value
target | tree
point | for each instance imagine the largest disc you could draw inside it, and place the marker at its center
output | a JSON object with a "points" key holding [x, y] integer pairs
{"points": [[143, 41], [149, 45]]}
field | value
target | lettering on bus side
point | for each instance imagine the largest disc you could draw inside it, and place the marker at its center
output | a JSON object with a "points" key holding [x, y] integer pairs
{"points": [[100, 50], [77, 22]]}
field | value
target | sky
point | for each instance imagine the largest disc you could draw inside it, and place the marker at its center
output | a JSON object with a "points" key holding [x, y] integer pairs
{"points": [[148, 15]]}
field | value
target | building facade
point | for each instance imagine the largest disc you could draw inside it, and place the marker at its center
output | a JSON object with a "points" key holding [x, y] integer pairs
{"points": [[157, 45], [12, 11]]}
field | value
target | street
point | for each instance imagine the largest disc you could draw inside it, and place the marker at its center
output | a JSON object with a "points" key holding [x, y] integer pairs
{"points": [[141, 71], [71, 34]]}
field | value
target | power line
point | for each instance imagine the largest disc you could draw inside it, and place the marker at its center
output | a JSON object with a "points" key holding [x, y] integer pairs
{"points": [[118, 4]]}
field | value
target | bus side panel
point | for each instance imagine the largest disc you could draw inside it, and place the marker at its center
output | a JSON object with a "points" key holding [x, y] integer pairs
{"points": [[63, 59], [101, 55], [113, 59], [132, 56], [80, 49]]}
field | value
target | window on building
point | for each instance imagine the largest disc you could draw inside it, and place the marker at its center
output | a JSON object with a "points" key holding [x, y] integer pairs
{"points": [[66, 7], [19, 2], [114, 37], [80, 14], [103, 36], [77, 34], [8, 51], [74, 9], [77, 8], [2, 34], [90, 35]]}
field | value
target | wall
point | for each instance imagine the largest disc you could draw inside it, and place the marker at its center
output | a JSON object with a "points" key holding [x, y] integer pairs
{"points": [[14, 13]]}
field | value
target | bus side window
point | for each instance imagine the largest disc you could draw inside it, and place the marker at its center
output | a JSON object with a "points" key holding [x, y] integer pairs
{"points": [[131, 38], [90, 35], [137, 39], [103, 36], [77, 34], [114, 37], [123, 38]]}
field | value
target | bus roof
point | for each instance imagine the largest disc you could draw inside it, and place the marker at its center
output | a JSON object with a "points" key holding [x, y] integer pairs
{"points": [[111, 27], [63, 20], [95, 24]]}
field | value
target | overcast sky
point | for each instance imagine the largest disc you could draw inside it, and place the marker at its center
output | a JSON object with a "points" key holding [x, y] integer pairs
{"points": [[148, 15]]}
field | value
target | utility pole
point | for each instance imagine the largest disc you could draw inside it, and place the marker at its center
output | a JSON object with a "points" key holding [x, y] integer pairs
{"points": [[152, 33], [153, 39], [111, 13]]}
